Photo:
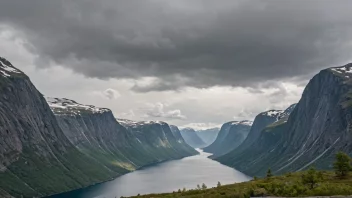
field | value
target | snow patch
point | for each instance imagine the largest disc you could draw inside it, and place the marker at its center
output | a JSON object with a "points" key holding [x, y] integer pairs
{"points": [[244, 122], [131, 123], [67, 106], [347, 70], [6, 69]]}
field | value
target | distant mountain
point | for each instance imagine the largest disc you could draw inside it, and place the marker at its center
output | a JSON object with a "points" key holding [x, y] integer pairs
{"points": [[260, 122], [157, 138], [191, 138], [231, 135], [208, 135], [318, 127]]}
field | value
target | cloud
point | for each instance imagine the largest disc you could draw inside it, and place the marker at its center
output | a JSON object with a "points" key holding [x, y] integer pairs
{"points": [[199, 43], [158, 111], [109, 93]]}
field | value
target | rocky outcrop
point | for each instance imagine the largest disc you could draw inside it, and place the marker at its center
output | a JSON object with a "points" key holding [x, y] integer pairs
{"points": [[318, 127], [191, 138], [231, 135], [208, 135]]}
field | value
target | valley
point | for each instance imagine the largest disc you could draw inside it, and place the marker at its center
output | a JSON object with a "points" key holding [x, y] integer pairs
{"points": [[61, 148]]}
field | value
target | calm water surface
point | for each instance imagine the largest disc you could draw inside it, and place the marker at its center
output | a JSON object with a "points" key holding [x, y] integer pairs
{"points": [[164, 177]]}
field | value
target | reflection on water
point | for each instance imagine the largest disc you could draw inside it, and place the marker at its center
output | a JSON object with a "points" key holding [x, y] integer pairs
{"points": [[164, 177]]}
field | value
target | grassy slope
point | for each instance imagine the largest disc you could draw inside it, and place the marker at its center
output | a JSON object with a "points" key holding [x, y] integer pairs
{"points": [[288, 185]]}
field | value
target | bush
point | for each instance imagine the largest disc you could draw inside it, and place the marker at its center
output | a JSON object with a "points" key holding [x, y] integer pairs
{"points": [[260, 192], [268, 173], [311, 178], [342, 165]]}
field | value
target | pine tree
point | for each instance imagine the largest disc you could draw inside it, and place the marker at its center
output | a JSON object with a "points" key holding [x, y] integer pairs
{"points": [[198, 187], [219, 184], [342, 165], [268, 173], [311, 178], [204, 186]]}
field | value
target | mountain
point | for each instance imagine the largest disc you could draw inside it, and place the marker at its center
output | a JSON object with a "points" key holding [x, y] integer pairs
{"points": [[46, 149], [231, 135], [318, 127], [208, 135], [177, 133], [191, 138], [36, 158], [96, 133], [262, 121], [157, 139]]}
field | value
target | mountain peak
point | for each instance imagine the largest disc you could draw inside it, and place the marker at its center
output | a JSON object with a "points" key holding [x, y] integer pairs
{"points": [[67, 106], [344, 71]]}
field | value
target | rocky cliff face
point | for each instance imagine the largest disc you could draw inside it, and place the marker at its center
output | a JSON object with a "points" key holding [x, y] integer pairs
{"points": [[191, 138], [208, 135], [36, 158], [231, 135], [318, 127]]}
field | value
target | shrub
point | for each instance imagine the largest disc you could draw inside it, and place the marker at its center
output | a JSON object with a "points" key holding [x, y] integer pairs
{"points": [[204, 186], [311, 178], [268, 173], [342, 165]]}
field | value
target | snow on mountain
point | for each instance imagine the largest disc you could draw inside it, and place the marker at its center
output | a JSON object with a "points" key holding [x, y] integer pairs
{"points": [[6, 68], [67, 106]]}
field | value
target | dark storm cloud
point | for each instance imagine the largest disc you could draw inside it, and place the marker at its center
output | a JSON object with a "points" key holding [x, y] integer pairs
{"points": [[197, 43]]}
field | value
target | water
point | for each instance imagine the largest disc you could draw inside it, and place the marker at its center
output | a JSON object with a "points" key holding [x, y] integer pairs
{"points": [[164, 177]]}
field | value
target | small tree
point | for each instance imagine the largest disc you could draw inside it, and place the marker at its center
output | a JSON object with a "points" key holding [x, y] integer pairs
{"points": [[198, 187], [268, 173], [219, 184], [184, 189], [342, 165], [311, 178], [204, 186]]}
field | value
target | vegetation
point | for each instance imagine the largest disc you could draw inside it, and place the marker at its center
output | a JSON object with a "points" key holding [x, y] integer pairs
{"points": [[268, 173], [342, 164], [290, 185], [308, 183], [311, 178]]}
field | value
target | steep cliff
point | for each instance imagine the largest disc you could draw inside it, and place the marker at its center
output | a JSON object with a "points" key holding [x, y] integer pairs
{"points": [[177, 134], [158, 140], [231, 135], [191, 138], [208, 135], [126, 146], [318, 127], [36, 158]]}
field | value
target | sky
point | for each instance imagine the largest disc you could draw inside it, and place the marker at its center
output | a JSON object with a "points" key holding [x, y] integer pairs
{"points": [[196, 63]]}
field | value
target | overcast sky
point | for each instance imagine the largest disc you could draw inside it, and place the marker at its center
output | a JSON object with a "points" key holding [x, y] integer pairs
{"points": [[193, 63]]}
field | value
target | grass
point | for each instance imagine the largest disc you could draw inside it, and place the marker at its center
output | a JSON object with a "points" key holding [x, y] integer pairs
{"points": [[288, 185]]}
